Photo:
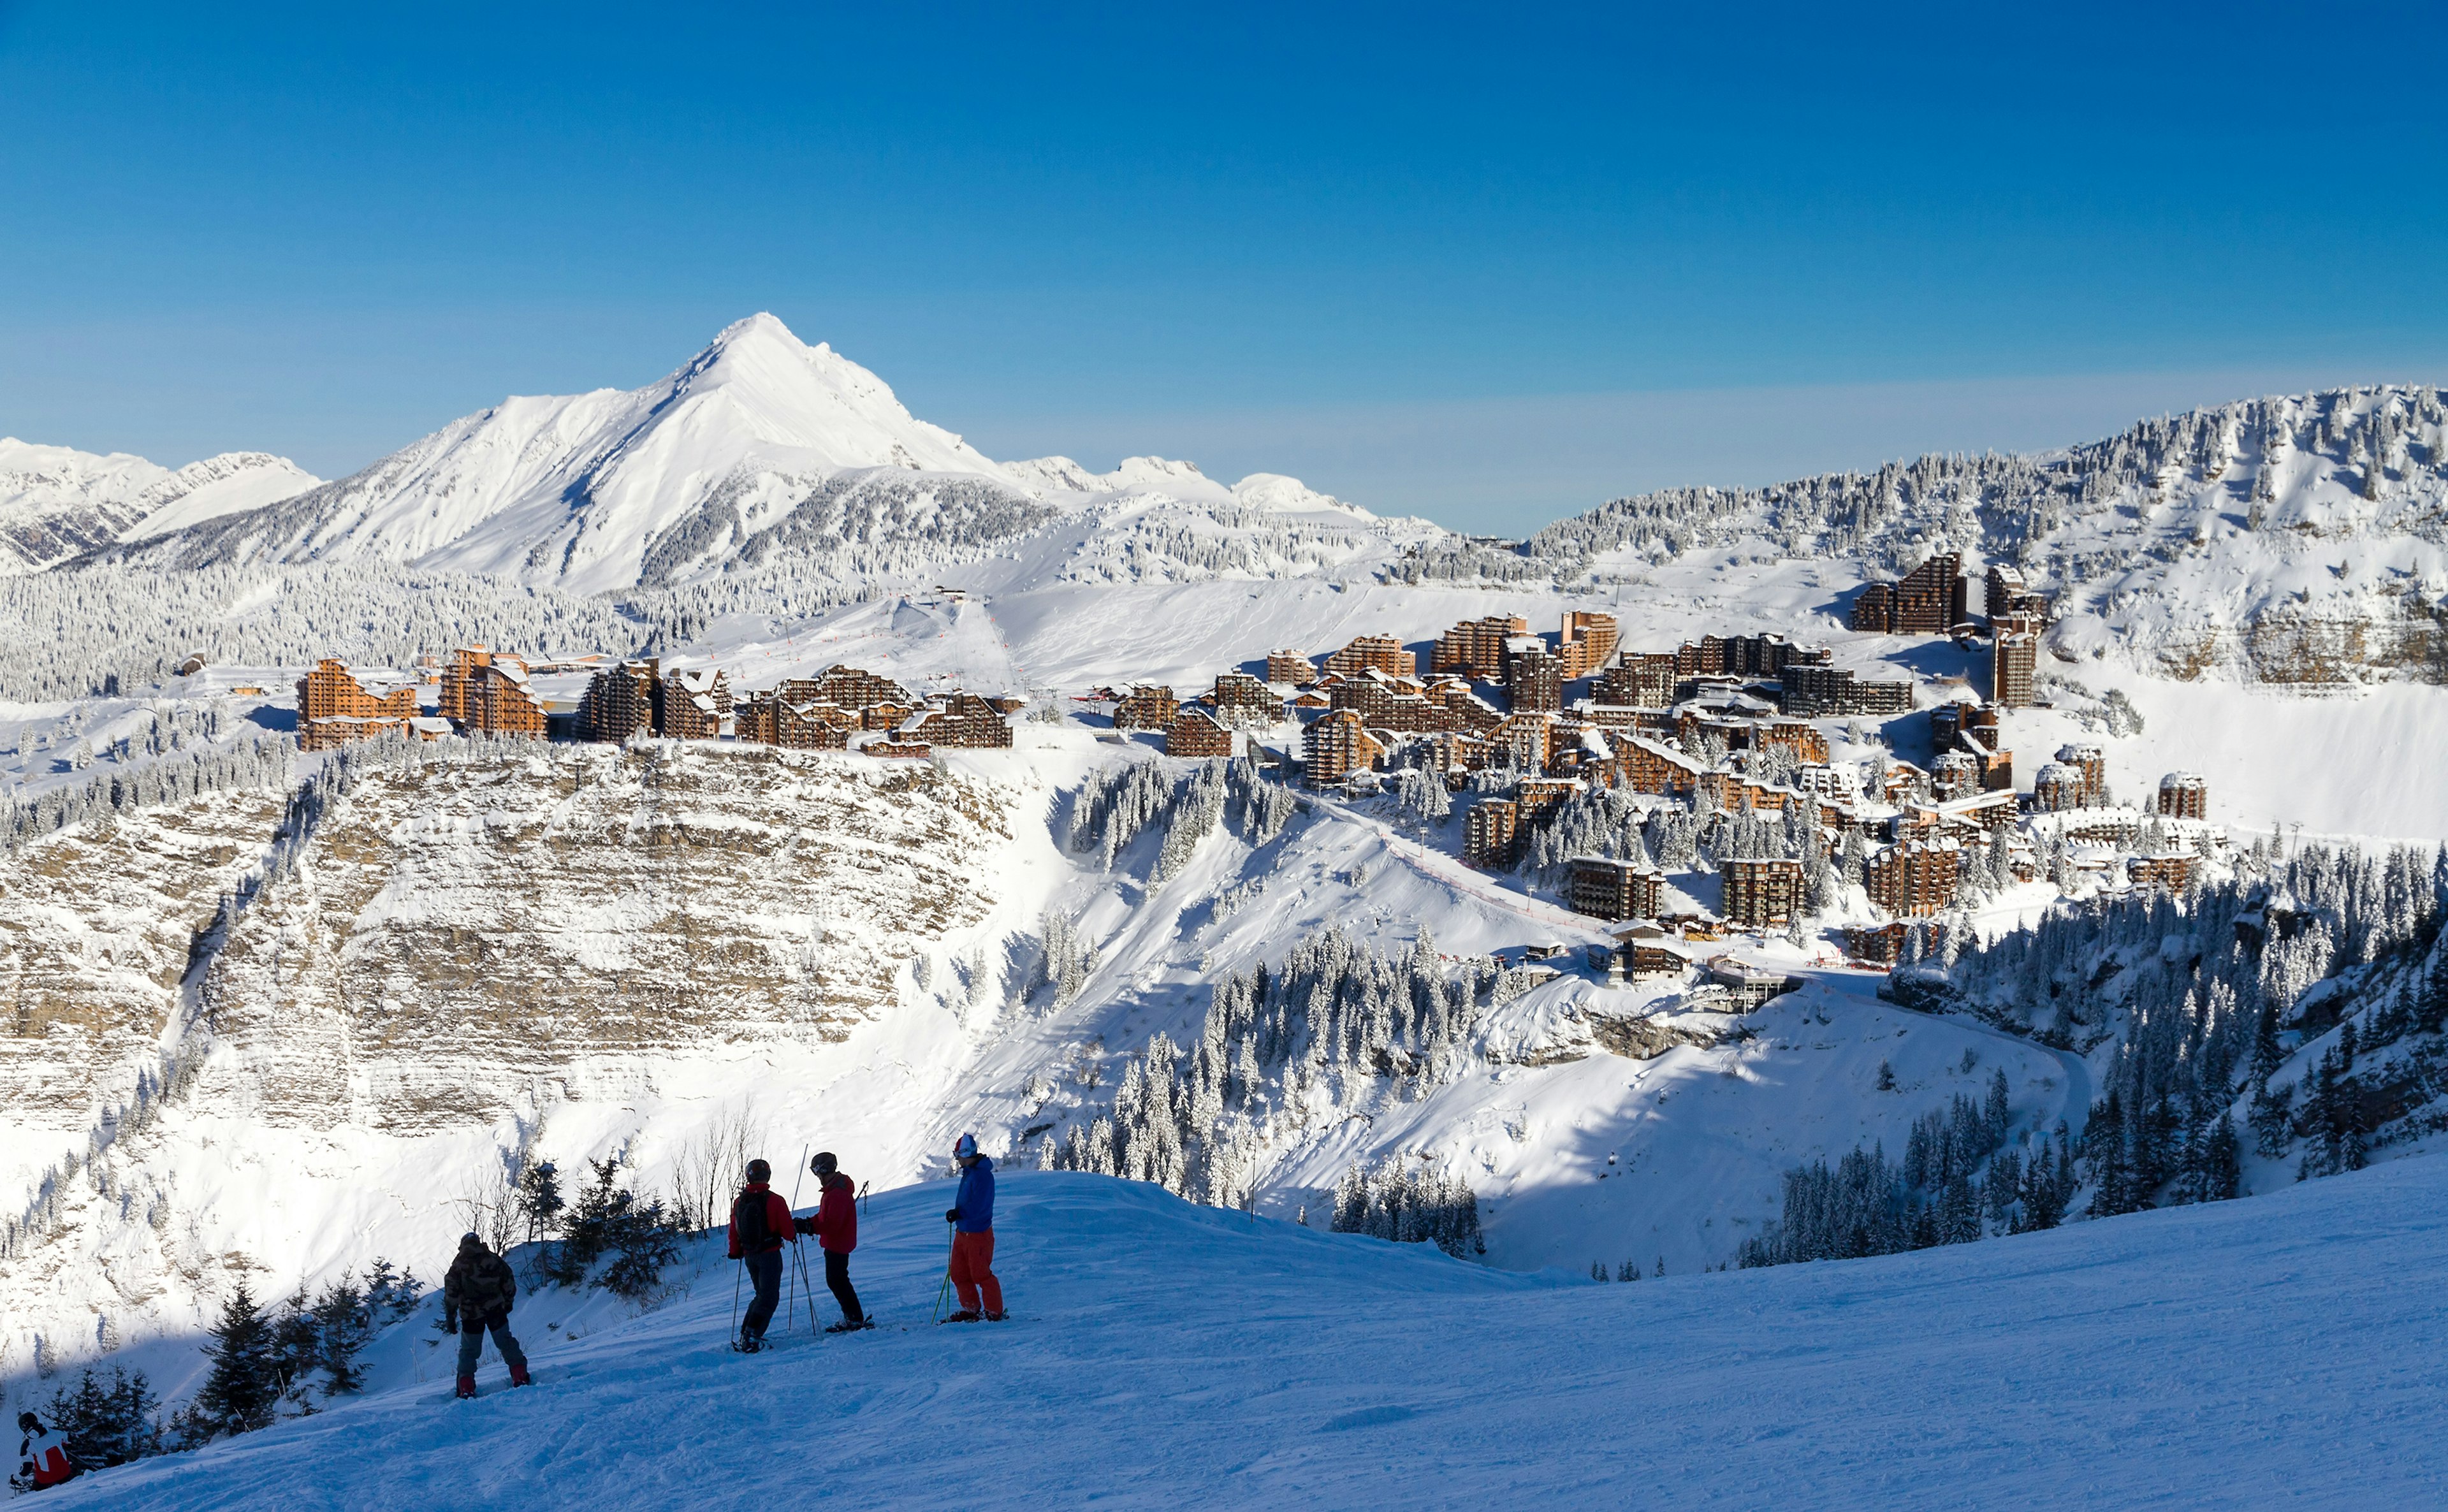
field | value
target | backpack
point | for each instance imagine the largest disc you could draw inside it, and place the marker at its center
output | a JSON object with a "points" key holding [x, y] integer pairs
{"points": [[748, 1222]]}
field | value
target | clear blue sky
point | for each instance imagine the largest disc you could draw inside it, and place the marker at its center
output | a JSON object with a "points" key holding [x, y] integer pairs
{"points": [[1486, 264]]}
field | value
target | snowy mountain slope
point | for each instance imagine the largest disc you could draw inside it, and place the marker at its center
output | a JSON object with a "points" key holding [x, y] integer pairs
{"points": [[569, 953], [2233, 1355], [57, 503]]}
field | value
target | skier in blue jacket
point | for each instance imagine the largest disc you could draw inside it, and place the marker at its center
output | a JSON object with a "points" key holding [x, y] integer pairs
{"points": [[972, 1221]]}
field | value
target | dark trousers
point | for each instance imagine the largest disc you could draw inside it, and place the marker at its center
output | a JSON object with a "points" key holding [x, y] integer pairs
{"points": [[765, 1274], [471, 1342], [837, 1277]]}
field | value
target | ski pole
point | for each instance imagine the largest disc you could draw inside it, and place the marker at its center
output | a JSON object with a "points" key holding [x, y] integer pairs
{"points": [[798, 1273], [946, 1289]]}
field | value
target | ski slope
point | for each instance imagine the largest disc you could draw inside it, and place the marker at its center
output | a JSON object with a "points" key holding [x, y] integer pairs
{"points": [[2279, 1348]]}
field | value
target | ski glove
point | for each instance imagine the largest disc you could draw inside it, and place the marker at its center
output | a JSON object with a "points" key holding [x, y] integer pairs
{"points": [[450, 1323], [951, 1215]]}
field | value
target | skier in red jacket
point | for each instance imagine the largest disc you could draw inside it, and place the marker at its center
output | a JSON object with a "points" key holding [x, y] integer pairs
{"points": [[760, 1225], [835, 1226], [42, 1458]]}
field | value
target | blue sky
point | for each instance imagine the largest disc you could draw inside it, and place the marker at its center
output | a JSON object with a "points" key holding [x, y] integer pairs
{"points": [[1482, 263]]}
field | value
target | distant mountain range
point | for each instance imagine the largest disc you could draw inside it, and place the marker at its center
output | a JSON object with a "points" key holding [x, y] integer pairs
{"points": [[2300, 539], [57, 503], [759, 445]]}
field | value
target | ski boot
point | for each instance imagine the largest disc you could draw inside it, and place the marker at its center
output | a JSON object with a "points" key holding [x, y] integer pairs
{"points": [[519, 1374], [965, 1315], [467, 1388]]}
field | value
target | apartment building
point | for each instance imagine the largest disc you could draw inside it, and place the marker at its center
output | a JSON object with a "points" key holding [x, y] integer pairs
{"points": [[1291, 668], [1241, 700], [1605, 887], [1146, 707], [498, 700], [960, 721], [1195, 732], [2091, 762], [2185, 796], [619, 700], [1336, 745], [1533, 676], [1383, 652], [1812, 690], [1475, 649], [2014, 665], [1915, 876], [691, 705], [1587, 640], [1760, 891], [336, 706], [1640, 680], [1491, 833], [1931, 600], [2008, 593]]}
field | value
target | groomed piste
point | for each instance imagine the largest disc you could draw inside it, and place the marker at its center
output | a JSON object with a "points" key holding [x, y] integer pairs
{"points": [[2283, 1348]]}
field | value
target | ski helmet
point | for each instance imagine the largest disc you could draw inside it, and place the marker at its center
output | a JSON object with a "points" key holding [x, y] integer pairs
{"points": [[759, 1170], [966, 1148], [470, 1239], [824, 1164], [29, 1422]]}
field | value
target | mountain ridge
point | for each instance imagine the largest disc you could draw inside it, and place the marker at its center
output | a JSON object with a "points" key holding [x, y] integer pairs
{"points": [[58, 503]]}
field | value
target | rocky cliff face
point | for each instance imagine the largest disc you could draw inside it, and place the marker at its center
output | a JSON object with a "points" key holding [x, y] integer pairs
{"points": [[99, 927], [467, 938]]}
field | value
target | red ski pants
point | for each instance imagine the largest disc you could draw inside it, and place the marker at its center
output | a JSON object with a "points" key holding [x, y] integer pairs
{"points": [[973, 1270]]}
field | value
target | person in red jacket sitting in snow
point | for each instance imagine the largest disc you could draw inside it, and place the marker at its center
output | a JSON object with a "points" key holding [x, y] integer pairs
{"points": [[835, 1226], [42, 1458], [760, 1225]]}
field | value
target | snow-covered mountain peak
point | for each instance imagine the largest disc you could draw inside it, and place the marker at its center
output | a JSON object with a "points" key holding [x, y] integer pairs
{"points": [[793, 394], [1050, 476], [1278, 494], [602, 490]]}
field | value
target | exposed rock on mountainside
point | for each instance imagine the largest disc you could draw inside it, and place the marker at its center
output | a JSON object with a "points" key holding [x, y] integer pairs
{"points": [[464, 934], [99, 927]]}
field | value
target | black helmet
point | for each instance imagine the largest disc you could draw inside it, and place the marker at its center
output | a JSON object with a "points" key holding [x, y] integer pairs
{"points": [[759, 1170], [29, 1422], [824, 1164], [471, 1240]]}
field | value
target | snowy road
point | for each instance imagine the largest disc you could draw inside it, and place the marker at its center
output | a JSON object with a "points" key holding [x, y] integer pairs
{"points": [[2278, 1349]]}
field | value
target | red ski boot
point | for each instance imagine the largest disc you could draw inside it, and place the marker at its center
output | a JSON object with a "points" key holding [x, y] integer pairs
{"points": [[466, 1387], [519, 1374]]}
